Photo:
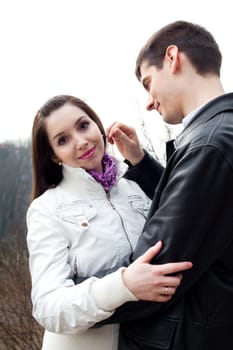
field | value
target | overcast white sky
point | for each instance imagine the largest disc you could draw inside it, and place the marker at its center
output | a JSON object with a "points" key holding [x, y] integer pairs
{"points": [[88, 48]]}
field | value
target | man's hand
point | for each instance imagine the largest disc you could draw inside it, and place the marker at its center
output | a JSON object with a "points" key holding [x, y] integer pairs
{"points": [[153, 282], [126, 140]]}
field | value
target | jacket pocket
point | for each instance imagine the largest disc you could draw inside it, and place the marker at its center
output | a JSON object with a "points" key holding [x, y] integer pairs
{"points": [[78, 212], [148, 336], [139, 204]]}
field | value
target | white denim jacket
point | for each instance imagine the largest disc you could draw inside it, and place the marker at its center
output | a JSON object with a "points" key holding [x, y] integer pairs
{"points": [[77, 229]]}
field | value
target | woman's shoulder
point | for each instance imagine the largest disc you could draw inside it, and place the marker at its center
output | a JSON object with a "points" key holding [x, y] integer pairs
{"points": [[45, 200]]}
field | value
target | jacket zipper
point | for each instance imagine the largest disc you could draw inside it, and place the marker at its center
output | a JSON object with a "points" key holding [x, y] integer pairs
{"points": [[122, 222], [75, 271]]}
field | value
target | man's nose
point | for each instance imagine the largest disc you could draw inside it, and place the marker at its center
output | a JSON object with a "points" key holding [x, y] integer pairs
{"points": [[150, 103]]}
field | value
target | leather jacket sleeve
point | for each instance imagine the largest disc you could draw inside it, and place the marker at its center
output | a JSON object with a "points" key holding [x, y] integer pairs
{"points": [[192, 214], [151, 170]]}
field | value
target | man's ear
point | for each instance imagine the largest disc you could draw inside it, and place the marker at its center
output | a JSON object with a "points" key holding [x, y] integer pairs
{"points": [[172, 57]]}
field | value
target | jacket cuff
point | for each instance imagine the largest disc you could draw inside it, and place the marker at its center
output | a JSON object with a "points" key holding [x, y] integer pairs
{"points": [[130, 165], [110, 292]]}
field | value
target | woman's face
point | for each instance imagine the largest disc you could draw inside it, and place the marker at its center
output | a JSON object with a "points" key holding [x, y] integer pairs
{"points": [[75, 138]]}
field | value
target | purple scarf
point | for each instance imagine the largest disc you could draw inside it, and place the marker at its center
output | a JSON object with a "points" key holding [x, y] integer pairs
{"points": [[108, 178]]}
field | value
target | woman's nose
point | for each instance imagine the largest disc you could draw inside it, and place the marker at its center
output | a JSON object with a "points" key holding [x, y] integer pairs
{"points": [[81, 142], [150, 103]]}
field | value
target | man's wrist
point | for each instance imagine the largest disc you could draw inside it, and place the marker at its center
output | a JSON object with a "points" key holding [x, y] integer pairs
{"points": [[135, 160]]}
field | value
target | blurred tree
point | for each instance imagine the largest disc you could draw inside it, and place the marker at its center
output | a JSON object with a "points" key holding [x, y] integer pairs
{"points": [[15, 185], [18, 329]]}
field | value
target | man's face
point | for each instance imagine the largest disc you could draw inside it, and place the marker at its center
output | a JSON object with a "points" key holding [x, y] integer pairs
{"points": [[162, 93]]}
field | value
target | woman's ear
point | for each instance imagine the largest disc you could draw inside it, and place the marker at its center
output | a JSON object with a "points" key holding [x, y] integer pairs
{"points": [[56, 160]]}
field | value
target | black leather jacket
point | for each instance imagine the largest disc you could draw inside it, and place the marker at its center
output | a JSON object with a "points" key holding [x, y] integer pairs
{"points": [[192, 213]]}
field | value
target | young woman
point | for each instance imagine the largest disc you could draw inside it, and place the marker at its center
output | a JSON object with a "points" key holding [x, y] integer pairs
{"points": [[85, 217]]}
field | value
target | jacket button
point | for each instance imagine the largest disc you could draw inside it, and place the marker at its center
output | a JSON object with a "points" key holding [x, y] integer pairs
{"points": [[84, 224]]}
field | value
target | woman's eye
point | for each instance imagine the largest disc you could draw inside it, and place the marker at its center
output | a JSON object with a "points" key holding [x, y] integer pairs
{"points": [[62, 140], [84, 125]]}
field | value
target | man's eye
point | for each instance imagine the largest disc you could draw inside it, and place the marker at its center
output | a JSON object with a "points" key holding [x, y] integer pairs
{"points": [[147, 87]]}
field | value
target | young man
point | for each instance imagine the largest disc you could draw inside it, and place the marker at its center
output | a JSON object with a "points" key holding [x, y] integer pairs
{"points": [[192, 208]]}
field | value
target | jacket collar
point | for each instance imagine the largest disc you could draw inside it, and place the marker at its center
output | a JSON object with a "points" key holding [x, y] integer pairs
{"points": [[78, 180], [218, 105]]}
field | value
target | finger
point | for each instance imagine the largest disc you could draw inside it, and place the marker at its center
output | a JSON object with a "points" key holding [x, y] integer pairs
{"points": [[168, 290], [150, 253], [119, 136], [163, 298], [170, 268], [109, 132], [122, 128], [116, 135], [109, 128], [171, 281]]}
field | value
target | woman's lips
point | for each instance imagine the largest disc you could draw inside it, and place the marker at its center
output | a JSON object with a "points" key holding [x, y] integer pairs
{"points": [[88, 154]]}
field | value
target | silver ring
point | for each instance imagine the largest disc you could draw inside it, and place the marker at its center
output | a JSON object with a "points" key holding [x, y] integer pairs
{"points": [[166, 290]]}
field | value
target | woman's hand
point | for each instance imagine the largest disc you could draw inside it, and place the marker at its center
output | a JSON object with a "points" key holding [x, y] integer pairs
{"points": [[126, 140], [152, 282]]}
